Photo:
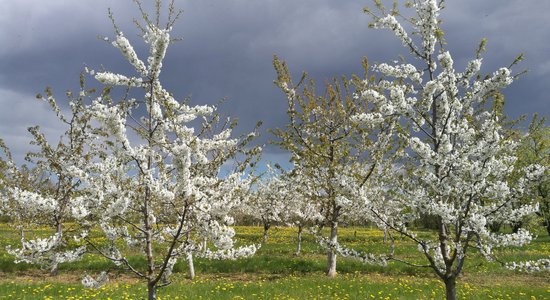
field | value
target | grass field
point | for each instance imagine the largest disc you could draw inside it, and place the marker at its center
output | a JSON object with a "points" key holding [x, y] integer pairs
{"points": [[274, 273]]}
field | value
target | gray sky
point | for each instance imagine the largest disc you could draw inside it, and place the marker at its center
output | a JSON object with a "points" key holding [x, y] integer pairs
{"points": [[228, 46]]}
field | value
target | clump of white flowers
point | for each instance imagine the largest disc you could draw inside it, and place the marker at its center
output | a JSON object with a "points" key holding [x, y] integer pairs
{"points": [[127, 50], [270, 202], [230, 254], [95, 283], [367, 258], [117, 79], [540, 265], [46, 252]]}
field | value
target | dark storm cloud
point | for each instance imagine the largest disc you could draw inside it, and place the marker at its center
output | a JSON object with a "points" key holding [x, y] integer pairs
{"points": [[228, 46]]}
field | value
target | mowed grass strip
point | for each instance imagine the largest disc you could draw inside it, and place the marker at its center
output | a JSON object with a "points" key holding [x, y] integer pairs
{"points": [[274, 273]]}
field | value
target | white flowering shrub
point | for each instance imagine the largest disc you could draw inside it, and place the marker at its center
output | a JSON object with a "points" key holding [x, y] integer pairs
{"points": [[94, 283], [268, 202], [542, 264], [278, 199], [457, 162], [300, 212]]}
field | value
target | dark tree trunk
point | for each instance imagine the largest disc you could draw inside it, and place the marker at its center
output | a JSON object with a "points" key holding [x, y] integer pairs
{"points": [[151, 291], [516, 227], [266, 228], [495, 226], [450, 288], [299, 244], [54, 269]]}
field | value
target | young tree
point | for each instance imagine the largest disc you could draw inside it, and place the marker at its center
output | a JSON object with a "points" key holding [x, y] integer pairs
{"points": [[5, 158], [534, 148], [45, 194], [268, 203], [327, 147], [300, 213], [318, 140], [457, 164], [6, 162], [279, 199], [161, 187]]}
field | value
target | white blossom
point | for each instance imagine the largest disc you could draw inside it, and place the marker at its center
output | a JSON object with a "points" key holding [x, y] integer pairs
{"points": [[117, 79], [540, 265], [95, 283], [122, 43]]}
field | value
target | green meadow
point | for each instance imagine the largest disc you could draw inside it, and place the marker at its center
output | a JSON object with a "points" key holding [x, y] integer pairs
{"points": [[275, 273]]}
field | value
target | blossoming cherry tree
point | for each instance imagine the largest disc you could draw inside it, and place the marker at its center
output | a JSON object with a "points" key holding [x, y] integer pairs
{"points": [[162, 186], [457, 161]]}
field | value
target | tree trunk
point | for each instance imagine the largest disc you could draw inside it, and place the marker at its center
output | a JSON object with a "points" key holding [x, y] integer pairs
{"points": [[385, 235], [59, 228], [495, 226], [450, 288], [299, 244], [151, 291], [204, 245], [331, 255], [59, 231], [191, 265], [54, 269], [516, 227], [266, 228], [548, 226]]}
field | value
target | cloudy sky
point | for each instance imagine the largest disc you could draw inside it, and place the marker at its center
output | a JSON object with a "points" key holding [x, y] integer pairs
{"points": [[228, 45]]}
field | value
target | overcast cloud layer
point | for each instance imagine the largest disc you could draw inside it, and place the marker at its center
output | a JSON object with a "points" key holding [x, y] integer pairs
{"points": [[228, 46]]}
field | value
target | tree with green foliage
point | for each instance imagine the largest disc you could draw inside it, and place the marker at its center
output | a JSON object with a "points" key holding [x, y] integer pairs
{"points": [[5, 159], [328, 148], [534, 148]]}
